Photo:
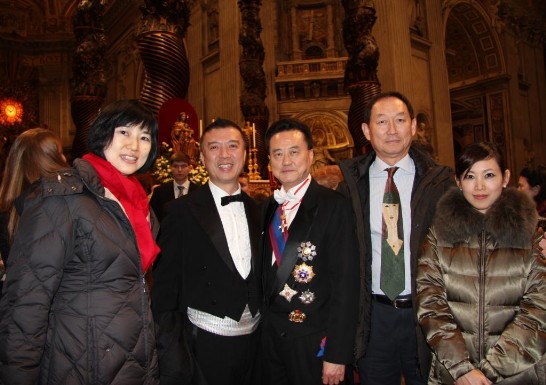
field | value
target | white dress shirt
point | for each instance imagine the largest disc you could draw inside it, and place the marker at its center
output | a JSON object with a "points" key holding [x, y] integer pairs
{"points": [[186, 186], [290, 202], [235, 226]]}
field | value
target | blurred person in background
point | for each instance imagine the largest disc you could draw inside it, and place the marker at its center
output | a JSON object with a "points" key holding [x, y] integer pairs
{"points": [[532, 181], [35, 153], [179, 186]]}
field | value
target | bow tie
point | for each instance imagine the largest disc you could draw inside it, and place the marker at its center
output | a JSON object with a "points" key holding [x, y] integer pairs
{"points": [[282, 196], [231, 198]]}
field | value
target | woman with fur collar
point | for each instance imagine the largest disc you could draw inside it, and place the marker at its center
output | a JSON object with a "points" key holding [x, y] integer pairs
{"points": [[481, 282]]}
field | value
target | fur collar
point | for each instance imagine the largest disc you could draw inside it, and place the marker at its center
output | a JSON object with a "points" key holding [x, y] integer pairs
{"points": [[511, 220]]}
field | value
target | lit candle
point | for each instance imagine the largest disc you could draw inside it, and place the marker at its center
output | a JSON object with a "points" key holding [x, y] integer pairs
{"points": [[200, 128], [254, 135]]}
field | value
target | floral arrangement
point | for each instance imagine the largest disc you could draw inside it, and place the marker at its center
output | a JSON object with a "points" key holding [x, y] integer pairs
{"points": [[162, 168], [198, 174]]}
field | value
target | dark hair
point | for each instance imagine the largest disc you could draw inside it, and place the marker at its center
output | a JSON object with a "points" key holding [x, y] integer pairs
{"points": [[536, 176], [288, 125], [384, 95], [474, 153], [221, 123], [118, 114], [180, 157]]}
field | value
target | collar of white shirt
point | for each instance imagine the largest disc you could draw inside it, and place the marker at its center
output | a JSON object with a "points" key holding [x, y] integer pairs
{"points": [[378, 166], [293, 195], [218, 193]]}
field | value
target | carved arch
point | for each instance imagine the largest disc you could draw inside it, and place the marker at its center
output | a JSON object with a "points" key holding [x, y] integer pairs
{"points": [[331, 128], [473, 49]]}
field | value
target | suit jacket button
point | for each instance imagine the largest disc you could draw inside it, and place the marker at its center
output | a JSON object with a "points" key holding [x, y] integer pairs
{"points": [[209, 283], [204, 268], [213, 302], [283, 334]]}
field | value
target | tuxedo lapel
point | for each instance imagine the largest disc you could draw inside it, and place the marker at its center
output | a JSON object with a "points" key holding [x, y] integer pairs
{"points": [[297, 232], [204, 210], [253, 220]]}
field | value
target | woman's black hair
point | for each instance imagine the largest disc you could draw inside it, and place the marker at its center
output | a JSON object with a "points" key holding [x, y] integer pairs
{"points": [[119, 114], [476, 152]]}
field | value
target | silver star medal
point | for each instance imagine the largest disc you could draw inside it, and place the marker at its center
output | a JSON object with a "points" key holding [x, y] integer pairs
{"points": [[288, 293], [307, 251], [307, 297]]}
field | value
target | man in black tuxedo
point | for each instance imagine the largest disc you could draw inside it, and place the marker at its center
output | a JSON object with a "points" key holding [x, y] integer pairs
{"points": [[206, 281], [310, 318], [179, 186]]}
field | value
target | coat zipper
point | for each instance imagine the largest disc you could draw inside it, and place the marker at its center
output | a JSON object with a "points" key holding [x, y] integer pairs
{"points": [[144, 297], [481, 299]]}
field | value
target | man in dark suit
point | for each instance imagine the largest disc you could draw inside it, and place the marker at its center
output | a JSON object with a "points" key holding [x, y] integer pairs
{"points": [[179, 186], [310, 319], [206, 281], [389, 124]]}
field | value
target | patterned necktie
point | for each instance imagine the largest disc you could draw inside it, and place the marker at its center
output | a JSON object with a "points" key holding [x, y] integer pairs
{"points": [[180, 191], [278, 233], [392, 243]]}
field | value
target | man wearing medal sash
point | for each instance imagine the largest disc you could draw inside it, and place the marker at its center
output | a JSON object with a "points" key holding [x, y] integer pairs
{"points": [[310, 247]]}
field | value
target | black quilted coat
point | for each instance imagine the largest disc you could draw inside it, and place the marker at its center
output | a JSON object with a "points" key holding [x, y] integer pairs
{"points": [[75, 309]]}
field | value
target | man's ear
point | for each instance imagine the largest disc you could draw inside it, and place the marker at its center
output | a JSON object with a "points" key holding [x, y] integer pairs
{"points": [[366, 130]]}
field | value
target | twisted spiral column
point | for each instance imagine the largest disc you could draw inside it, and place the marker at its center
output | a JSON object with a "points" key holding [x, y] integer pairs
{"points": [[167, 70], [88, 78], [361, 70]]}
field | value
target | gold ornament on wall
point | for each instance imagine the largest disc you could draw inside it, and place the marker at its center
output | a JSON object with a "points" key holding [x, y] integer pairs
{"points": [[11, 112]]}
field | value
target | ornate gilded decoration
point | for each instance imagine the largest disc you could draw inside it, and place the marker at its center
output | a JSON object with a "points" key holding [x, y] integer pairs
{"points": [[253, 94], [11, 112], [182, 138]]}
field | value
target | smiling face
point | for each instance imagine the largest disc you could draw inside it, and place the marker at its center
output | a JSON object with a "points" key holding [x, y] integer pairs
{"points": [[223, 154], [390, 129], [483, 183], [290, 157], [129, 148]]}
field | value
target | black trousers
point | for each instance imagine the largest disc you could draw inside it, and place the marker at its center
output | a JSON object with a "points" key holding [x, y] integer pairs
{"points": [[392, 349], [291, 361], [227, 360]]}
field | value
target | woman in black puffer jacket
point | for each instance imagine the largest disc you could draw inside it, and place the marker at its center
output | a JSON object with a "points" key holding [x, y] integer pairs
{"points": [[76, 305], [481, 282]]}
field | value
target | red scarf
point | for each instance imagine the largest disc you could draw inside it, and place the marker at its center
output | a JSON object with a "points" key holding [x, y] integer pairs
{"points": [[131, 195]]}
